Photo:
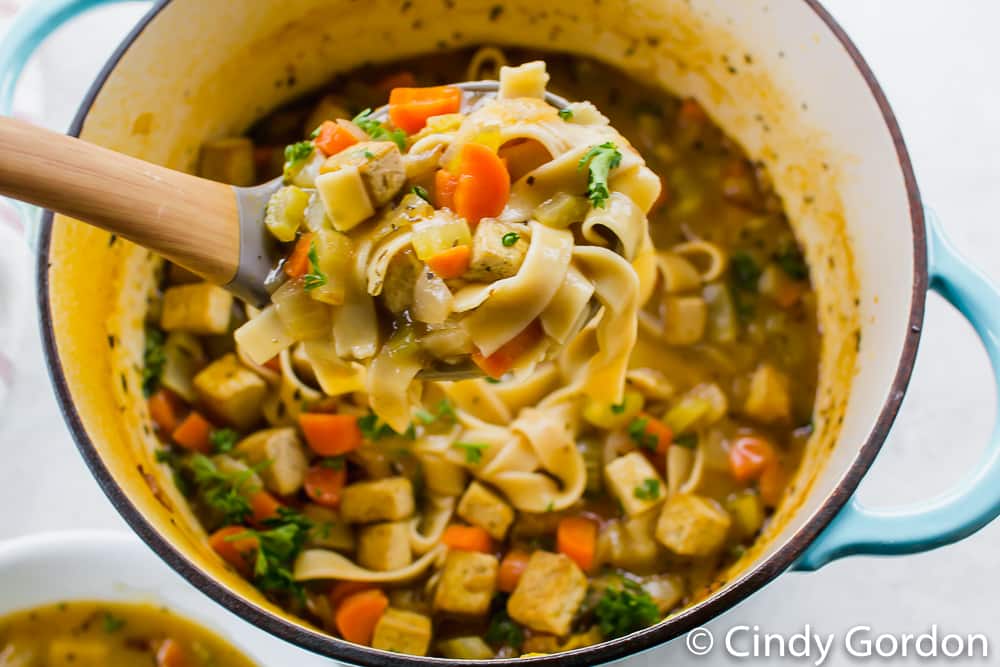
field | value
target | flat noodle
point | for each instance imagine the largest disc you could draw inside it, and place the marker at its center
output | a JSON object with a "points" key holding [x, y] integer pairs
{"points": [[435, 519], [355, 325], [313, 564], [568, 305], [620, 218], [383, 255]]}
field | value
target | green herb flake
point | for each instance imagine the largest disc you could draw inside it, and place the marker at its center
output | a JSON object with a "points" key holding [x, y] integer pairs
{"points": [[112, 623], [686, 440], [297, 153], [618, 408], [744, 271], [153, 361], [374, 428], [315, 133], [424, 417], [503, 631], [377, 131], [333, 463], [600, 160], [792, 262], [566, 114], [510, 238], [223, 440], [625, 609], [473, 450], [279, 545], [637, 431], [225, 493], [421, 192], [648, 490], [369, 155], [315, 278]]}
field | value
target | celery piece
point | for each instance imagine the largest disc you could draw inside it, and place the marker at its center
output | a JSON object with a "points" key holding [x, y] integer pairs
{"points": [[285, 212], [562, 210], [439, 233], [611, 416]]}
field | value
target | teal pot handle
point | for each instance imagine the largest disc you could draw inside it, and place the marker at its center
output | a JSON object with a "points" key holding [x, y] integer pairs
{"points": [[973, 502], [30, 28]]}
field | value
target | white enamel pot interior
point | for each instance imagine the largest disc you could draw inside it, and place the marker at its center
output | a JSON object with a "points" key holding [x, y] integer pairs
{"points": [[779, 77]]}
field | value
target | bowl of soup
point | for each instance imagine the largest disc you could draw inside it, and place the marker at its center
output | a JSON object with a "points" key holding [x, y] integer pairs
{"points": [[780, 301]]}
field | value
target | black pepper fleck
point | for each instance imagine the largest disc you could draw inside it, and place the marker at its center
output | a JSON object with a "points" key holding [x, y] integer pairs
{"points": [[495, 12]]}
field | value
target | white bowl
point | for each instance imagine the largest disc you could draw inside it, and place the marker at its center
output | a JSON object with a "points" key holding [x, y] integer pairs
{"points": [[64, 566]]}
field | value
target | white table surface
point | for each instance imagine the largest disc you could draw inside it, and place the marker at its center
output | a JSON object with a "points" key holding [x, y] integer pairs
{"points": [[938, 64]]}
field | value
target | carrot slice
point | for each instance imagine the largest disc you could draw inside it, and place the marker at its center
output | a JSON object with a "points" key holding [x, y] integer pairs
{"points": [[330, 435], [345, 589], [664, 434], [237, 552], [297, 264], [323, 484], [451, 263], [445, 183], [749, 457], [467, 538], [274, 364], [772, 483], [165, 410], [333, 138], [194, 433], [576, 537], [264, 507], [504, 358], [358, 614], [172, 654], [511, 568], [409, 108], [483, 184]]}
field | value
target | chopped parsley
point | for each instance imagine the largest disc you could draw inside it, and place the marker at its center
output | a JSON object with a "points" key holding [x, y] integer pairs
{"points": [[473, 450], [444, 410], [279, 545], [509, 239], [298, 153], [374, 428], [112, 623], [686, 440], [223, 440], [315, 133], [153, 360], [369, 155], [744, 272], [377, 131], [648, 490], [791, 261], [600, 160], [637, 431], [333, 463], [618, 408], [566, 114], [315, 278], [625, 609], [223, 492], [503, 631], [421, 192]]}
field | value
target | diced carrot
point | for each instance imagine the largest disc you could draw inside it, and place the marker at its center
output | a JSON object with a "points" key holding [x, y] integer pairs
{"points": [[330, 435], [274, 364], [264, 507], [511, 568], [194, 433], [691, 112], [323, 484], [165, 410], [172, 654], [403, 79], [409, 108], [445, 183], [297, 264], [357, 615], [576, 537], [344, 589], [451, 263], [333, 138], [772, 483], [504, 358], [238, 552], [749, 457], [467, 538], [663, 433], [483, 184], [788, 293]]}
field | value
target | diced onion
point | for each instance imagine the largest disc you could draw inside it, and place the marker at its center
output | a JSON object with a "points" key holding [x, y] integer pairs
{"points": [[432, 300], [304, 317], [263, 337]]}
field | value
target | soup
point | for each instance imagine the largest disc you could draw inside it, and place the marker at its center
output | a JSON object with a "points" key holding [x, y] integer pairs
{"points": [[97, 634], [508, 517]]}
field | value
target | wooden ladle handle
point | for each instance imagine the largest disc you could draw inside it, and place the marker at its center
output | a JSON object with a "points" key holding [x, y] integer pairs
{"points": [[189, 220]]}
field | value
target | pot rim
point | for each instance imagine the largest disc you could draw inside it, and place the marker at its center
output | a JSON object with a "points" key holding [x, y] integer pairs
{"points": [[746, 584]]}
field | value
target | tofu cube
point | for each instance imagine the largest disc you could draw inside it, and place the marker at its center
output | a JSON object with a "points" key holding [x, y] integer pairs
{"points": [[628, 477], [684, 319], [287, 464], [692, 525], [329, 530], [491, 259], [768, 400], [344, 198], [389, 499], [199, 308], [481, 507], [231, 392], [403, 632], [379, 163], [442, 477], [468, 581], [385, 546], [400, 281], [548, 594]]}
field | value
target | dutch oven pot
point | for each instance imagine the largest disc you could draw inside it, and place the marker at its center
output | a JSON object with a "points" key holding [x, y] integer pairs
{"points": [[780, 77]]}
